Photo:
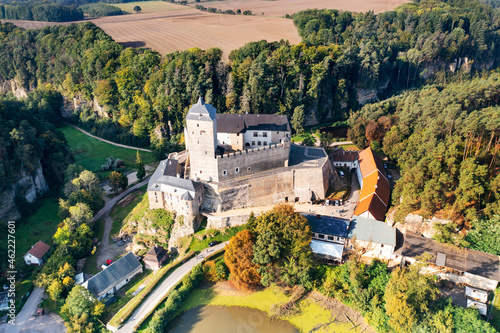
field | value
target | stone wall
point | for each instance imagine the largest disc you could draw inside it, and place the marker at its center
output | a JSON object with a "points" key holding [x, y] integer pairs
{"points": [[221, 222], [251, 161], [267, 188]]}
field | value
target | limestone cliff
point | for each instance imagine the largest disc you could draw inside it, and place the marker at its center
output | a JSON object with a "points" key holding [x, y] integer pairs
{"points": [[29, 185]]}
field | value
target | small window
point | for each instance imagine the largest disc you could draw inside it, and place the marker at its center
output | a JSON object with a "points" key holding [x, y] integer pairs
{"points": [[265, 143], [253, 143], [264, 134], [198, 142], [237, 170], [224, 172], [321, 236], [330, 238], [259, 143], [197, 125], [249, 168], [255, 134], [237, 134], [381, 245], [206, 153], [201, 171]]}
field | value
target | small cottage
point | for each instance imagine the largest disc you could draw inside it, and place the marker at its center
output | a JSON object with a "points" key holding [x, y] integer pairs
{"points": [[36, 255], [155, 257]]}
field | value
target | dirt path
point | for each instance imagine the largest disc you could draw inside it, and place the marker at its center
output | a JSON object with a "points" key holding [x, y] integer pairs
{"points": [[107, 141]]}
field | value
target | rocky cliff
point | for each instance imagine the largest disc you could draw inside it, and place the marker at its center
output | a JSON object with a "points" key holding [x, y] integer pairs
{"points": [[28, 185]]}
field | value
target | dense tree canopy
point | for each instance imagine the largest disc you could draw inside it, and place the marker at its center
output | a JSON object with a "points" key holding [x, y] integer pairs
{"points": [[445, 139]]}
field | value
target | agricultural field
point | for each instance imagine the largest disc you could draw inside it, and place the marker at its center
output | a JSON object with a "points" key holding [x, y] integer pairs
{"points": [[180, 30], [148, 7], [281, 7], [167, 27]]}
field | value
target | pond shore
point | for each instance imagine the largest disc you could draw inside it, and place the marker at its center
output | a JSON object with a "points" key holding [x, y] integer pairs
{"points": [[315, 312]]}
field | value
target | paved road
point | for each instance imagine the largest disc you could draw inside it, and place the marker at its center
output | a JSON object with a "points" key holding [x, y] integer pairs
{"points": [[155, 297], [26, 312], [108, 221], [107, 141]]}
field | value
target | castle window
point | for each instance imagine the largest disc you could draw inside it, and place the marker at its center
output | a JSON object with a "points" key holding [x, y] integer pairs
{"points": [[264, 134], [249, 168], [201, 171], [255, 134], [259, 143], [237, 134], [197, 125], [253, 143], [198, 142], [224, 172], [321, 236], [237, 170], [330, 238], [265, 143]]}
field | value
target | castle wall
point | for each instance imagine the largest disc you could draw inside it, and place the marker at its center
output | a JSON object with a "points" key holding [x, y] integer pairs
{"points": [[174, 203], [280, 185], [251, 161]]}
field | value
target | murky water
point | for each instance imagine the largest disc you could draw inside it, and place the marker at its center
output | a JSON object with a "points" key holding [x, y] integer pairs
{"points": [[224, 319]]}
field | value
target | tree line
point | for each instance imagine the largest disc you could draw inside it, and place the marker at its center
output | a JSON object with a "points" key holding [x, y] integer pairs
{"points": [[38, 11], [100, 9], [144, 94]]}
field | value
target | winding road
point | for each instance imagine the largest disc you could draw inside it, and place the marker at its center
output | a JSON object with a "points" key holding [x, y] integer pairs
{"points": [[107, 141], [158, 294]]}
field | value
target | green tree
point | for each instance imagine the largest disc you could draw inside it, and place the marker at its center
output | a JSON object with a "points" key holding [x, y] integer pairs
{"points": [[117, 181], [141, 171], [282, 249], [298, 119], [137, 9]]}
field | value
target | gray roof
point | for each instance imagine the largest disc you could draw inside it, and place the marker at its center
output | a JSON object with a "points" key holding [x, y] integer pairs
{"points": [[462, 259], [113, 275], [328, 225], [164, 180], [371, 230], [201, 111], [239, 123]]}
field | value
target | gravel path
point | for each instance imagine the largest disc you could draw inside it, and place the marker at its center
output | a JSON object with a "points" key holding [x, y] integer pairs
{"points": [[107, 141]]}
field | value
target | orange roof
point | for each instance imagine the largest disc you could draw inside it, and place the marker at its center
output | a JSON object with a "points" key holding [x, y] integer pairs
{"points": [[39, 250], [375, 194]]}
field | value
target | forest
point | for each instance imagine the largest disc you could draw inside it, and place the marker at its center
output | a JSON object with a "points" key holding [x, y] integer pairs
{"points": [[40, 11], [142, 92], [446, 141]]}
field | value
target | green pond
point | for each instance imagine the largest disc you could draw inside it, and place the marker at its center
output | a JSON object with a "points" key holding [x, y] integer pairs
{"points": [[230, 319]]}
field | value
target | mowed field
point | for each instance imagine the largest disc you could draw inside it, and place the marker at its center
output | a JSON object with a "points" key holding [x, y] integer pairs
{"points": [[281, 7], [167, 27]]}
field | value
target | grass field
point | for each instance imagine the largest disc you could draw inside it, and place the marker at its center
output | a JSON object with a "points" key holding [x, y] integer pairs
{"points": [[41, 225], [495, 322], [119, 213], [148, 6], [91, 153]]}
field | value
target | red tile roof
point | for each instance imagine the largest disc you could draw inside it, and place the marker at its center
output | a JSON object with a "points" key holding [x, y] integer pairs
{"points": [[39, 250], [375, 194]]}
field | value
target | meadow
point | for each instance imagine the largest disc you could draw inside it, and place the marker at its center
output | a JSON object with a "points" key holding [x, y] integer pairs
{"points": [[91, 153]]}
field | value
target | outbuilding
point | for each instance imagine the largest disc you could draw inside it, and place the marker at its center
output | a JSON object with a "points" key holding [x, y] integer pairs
{"points": [[118, 274]]}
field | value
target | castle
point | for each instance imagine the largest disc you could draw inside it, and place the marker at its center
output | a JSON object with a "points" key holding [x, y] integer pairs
{"points": [[236, 161]]}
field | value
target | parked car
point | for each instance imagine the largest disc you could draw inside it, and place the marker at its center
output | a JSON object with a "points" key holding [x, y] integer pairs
{"points": [[341, 173], [389, 176], [213, 243], [109, 262]]}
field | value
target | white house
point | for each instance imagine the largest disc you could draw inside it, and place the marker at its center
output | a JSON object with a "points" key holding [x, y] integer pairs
{"points": [[118, 274], [36, 255]]}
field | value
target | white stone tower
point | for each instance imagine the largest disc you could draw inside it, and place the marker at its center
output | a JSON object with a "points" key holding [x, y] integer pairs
{"points": [[201, 141]]}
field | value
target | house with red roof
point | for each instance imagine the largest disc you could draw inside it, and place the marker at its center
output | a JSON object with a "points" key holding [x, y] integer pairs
{"points": [[36, 255]]}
